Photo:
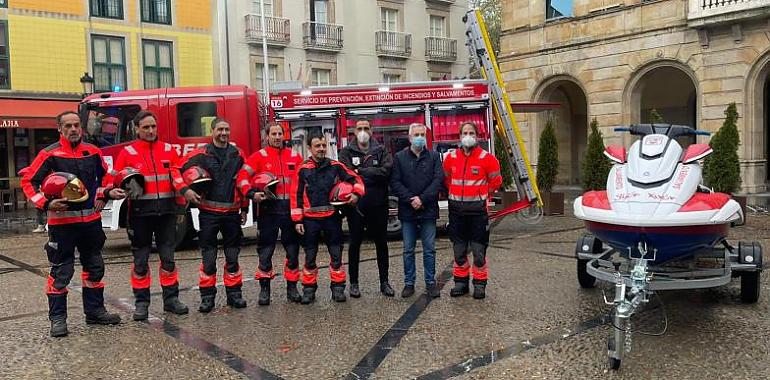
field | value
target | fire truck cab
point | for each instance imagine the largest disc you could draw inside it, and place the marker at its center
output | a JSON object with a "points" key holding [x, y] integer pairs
{"points": [[333, 110], [184, 118]]}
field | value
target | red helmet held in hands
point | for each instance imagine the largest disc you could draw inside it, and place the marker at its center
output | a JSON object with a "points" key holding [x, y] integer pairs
{"points": [[197, 178], [341, 193], [64, 185], [129, 178], [265, 182]]}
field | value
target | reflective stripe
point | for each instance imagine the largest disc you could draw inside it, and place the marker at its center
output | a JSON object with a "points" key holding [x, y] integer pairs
{"points": [[167, 147], [319, 209], [461, 182], [152, 178], [483, 154], [474, 198], [248, 169], [243, 183], [71, 214], [37, 197], [296, 211], [263, 152], [285, 180], [130, 149], [156, 196], [282, 196], [206, 202], [493, 175], [178, 180]]}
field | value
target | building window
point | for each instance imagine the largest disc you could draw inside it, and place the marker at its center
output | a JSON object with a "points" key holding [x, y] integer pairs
{"points": [[107, 8], [321, 77], [5, 62], [158, 64], [391, 78], [437, 26], [558, 8], [256, 7], [3, 3], [194, 119], [389, 19], [156, 11], [109, 63], [259, 77], [320, 11]]}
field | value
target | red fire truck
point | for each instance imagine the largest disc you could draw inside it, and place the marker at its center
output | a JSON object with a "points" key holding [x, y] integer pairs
{"points": [[391, 108], [184, 117]]}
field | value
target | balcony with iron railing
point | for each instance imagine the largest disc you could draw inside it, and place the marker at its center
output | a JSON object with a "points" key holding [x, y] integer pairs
{"points": [[393, 44], [321, 36], [440, 49], [441, 1], [276, 30], [709, 12]]}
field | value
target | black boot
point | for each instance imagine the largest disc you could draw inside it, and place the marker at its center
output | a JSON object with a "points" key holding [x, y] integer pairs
{"points": [[308, 294], [460, 288], [355, 291], [432, 291], [102, 317], [141, 312], [386, 289], [338, 292], [479, 290], [208, 295], [93, 307], [235, 297], [264, 292], [171, 301], [59, 327], [291, 292]]}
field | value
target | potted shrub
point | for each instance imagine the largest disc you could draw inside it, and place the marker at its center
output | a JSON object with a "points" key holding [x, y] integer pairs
{"points": [[596, 166], [722, 169], [548, 169]]}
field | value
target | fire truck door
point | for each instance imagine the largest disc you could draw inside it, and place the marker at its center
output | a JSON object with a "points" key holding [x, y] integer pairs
{"points": [[303, 123]]}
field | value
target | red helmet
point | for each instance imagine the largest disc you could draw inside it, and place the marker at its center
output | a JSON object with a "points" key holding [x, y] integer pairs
{"points": [[341, 193], [197, 179], [64, 185], [265, 182], [130, 178]]}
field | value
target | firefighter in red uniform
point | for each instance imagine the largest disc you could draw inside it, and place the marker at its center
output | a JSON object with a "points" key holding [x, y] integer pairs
{"points": [[222, 209], [273, 214], [152, 212], [314, 214], [72, 225], [471, 174]]}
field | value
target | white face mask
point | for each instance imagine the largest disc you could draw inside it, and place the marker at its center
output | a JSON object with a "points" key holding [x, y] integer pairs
{"points": [[362, 137], [468, 141]]}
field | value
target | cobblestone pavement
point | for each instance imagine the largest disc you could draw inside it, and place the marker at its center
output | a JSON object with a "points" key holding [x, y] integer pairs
{"points": [[535, 323]]}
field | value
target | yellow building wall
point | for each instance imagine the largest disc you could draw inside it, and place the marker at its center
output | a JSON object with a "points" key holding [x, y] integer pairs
{"points": [[194, 14], [72, 7], [195, 60]]}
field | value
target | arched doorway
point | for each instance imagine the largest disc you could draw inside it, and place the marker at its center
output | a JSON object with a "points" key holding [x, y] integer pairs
{"points": [[668, 89], [755, 139], [571, 124]]}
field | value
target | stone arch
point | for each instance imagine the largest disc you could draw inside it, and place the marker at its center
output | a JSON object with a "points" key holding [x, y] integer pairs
{"points": [[756, 125], [571, 123]]}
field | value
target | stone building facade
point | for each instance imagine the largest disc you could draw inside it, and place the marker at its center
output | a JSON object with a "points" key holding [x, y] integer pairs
{"points": [[616, 60]]}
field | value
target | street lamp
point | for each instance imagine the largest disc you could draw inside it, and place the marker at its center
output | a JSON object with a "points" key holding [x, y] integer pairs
{"points": [[88, 84]]}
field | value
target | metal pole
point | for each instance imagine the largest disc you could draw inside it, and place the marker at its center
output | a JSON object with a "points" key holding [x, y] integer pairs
{"points": [[265, 73], [227, 43]]}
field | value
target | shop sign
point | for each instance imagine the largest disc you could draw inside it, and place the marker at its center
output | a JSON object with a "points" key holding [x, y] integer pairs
{"points": [[9, 123]]}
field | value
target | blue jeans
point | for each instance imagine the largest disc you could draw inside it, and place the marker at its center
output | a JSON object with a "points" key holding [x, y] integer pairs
{"points": [[427, 230]]}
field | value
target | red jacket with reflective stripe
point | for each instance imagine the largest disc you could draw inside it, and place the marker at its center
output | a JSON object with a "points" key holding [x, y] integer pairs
{"points": [[283, 163], [223, 195], [154, 160], [470, 178], [84, 161], [321, 176]]}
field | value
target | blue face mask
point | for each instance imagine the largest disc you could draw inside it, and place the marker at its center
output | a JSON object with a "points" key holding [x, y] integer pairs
{"points": [[418, 142]]}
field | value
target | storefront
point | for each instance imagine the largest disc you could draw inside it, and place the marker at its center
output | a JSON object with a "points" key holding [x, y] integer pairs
{"points": [[26, 127]]}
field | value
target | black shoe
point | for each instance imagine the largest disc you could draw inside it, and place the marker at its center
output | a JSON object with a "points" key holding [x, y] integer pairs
{"points": [[479, 291], [386, 289], [102, 317], [141, 313], [291, 292], [235, 299], [264, 292], [460, 289], [432, 291], [207, 304], [355, 292], [59, 328], [173, 305], [308, 295], [408, 291], [338, 293]]}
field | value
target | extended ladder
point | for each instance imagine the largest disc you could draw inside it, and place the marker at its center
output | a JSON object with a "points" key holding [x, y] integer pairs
{"points": [[526, 186]]}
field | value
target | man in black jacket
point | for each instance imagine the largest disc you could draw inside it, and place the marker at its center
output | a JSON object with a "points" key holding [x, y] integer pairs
{"points": [[373, 163], [416, 180]]}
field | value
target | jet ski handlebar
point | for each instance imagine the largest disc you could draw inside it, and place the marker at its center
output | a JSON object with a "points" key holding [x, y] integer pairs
{"points": [[669, 130]]}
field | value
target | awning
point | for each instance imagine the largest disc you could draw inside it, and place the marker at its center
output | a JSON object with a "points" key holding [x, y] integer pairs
{"points": [[33, 113]]}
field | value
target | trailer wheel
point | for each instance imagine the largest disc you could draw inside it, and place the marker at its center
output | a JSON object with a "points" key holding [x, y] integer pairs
{"points": [[584, 278], [750, 287]]}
